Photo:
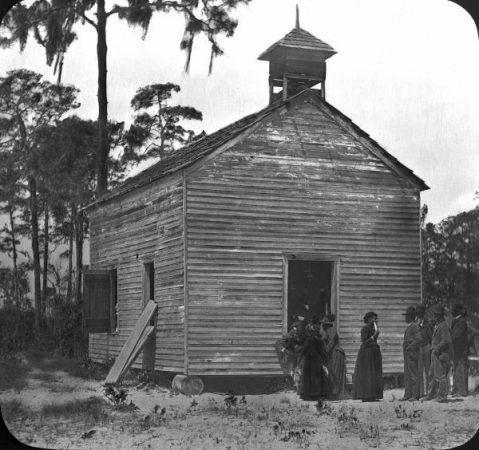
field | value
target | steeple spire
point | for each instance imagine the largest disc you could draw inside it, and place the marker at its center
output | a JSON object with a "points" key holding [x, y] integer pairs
{"points": [[297, 16]]}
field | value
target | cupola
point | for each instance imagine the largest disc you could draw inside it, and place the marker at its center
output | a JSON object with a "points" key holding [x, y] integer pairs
{"points": [[296, 62]]}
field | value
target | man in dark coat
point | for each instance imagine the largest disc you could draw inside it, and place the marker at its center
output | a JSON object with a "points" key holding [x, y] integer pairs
{"points": [[411, 345], [426, 328], [441, 356], [460, 345]]}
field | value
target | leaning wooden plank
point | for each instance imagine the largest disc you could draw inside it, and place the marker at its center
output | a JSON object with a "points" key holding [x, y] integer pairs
{"points": [[131, 342], [138, 347]]}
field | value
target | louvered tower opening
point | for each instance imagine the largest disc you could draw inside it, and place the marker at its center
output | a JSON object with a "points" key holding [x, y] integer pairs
{"points": [[296, 62]]}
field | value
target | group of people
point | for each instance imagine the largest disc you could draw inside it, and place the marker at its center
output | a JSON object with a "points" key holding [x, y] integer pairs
{"points": [[432, 349], [311, 354]]}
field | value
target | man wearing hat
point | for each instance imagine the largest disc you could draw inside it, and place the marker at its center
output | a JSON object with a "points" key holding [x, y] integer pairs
{"points": [[426, 328], [441, 355], [460, 345], [411, 345]]}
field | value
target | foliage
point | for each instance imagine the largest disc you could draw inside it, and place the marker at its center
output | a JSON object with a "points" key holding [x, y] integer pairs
{"points": [[300, 438], [118, 396], [64, 325], [16, 330], [450, 260], [157, 124], [8, 295], [64, 333], [28, 104], [403, 413], [92, 410], [52, 24]]}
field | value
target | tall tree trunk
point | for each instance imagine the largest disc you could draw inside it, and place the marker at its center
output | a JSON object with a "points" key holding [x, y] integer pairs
{"points": [[103, 148], [32, 185], [45, 259], [70, 255], [14, 255], [79, 256]]}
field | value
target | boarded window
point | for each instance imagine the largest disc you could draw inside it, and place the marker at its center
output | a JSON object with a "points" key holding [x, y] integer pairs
{"points": [[96, 301]]}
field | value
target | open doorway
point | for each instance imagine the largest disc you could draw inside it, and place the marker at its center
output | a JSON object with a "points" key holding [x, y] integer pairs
{"points": [[310, 289], [149, 294]]}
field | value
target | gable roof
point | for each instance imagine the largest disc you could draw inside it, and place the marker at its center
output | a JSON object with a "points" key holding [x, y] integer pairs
{"points": [[195, 151], [299, 39]]}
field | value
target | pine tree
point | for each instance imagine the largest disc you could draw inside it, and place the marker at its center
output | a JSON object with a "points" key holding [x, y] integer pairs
{"points": [[157, 127], [51, 22], [27, 105]]}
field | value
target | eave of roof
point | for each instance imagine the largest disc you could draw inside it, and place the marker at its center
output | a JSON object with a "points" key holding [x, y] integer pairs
{"points": [[297, 39]]}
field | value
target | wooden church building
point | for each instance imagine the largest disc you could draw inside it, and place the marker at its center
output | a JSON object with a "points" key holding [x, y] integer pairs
{"points": [[233, 235]]}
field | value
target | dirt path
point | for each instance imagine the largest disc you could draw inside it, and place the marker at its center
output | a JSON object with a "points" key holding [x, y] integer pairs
{"points": [[57, 410]]}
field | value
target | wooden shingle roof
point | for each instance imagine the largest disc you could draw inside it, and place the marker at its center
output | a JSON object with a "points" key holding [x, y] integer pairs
{"points": [[198, 149], [189, 154], [299, 39]]}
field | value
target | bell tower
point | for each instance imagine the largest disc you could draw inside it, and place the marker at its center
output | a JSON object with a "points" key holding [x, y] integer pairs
{"points": [[296, 62]]}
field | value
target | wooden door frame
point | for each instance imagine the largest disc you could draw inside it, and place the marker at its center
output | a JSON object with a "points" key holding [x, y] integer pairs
{"points": [[335, 275]]}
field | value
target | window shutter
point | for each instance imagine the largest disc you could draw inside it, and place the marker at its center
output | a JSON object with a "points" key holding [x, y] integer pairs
{"points": [[96, 301]]}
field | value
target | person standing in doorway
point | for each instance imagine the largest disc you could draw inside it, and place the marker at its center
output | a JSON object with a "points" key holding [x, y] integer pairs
{"points": [[411, 345], [441, 355], [460, 345], [426, 328], [314, 383], [368, 373]]}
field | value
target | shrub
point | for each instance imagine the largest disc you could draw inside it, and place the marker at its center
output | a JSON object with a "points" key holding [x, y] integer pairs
{"points": [[16, 330]]}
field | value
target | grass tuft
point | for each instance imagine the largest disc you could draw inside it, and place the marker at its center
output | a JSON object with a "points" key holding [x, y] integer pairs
{"points": [[13, 374], [13, 409], [92, 409]]}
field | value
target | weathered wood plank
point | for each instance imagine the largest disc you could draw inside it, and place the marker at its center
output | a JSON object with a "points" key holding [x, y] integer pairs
{"points": [[131, 343]]}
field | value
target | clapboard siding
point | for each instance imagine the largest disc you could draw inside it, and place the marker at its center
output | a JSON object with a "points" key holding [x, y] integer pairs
{"points": [[301, 183], [142, 226]]}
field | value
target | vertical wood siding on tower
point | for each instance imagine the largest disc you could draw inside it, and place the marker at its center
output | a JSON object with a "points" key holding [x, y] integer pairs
{"points": [[143, 226], [298, 184]]}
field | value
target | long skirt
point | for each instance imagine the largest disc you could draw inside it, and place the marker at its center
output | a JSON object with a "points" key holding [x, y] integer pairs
{"points": [[337, 372], [368, 373], [314, 383]]}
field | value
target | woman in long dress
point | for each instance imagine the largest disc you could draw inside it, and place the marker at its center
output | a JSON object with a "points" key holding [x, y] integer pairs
{"points": [[313, 383], [368, 373], [335, 357]]}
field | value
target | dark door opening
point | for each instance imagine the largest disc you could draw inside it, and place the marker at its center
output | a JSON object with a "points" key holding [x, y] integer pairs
{"points": [[148, 282], [149, 294], [309, 290], [114, 323]]}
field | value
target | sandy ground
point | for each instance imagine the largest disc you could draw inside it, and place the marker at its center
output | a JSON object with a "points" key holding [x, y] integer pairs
{"points": [[275, 421]]}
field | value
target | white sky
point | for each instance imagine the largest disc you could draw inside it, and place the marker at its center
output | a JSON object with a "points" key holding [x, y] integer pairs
{"points": [[406, 72]]}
